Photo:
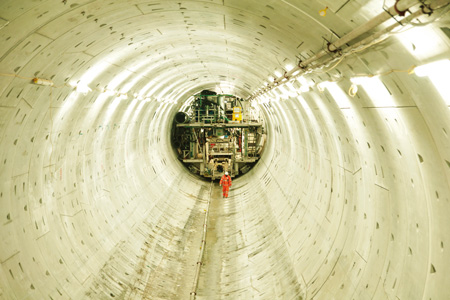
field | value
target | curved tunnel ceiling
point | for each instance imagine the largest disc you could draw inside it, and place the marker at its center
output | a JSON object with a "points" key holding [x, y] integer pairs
{"points": [[350, 199]]}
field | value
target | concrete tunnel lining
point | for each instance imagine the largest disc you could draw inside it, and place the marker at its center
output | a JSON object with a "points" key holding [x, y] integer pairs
{"points": [[347, 202]]}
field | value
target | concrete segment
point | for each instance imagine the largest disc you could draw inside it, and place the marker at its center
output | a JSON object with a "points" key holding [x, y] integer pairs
{"points": [[345, 203]]}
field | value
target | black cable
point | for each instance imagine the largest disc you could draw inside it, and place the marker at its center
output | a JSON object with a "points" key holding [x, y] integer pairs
{"points": [[240, 104]]}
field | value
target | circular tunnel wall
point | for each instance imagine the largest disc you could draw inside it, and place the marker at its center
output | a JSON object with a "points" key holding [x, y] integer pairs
{"points": [[348, 201]]}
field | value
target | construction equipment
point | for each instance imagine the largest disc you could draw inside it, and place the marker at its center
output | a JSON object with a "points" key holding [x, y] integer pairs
{"points": [[215, 135]]}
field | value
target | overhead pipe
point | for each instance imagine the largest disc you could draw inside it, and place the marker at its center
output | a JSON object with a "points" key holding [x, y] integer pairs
{"points": [[366, 41], [433, 6], [436, 5], [399, 8]]}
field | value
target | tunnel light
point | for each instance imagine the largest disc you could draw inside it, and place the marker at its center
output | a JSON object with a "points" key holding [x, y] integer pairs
{"points": [[83, 89], [321, 86], [304, 89], [359, 80], [45, 82], [375, 89], [278, 74], [123, 96], [289, 67], [438, 68], [438, 72], [138, 96]]}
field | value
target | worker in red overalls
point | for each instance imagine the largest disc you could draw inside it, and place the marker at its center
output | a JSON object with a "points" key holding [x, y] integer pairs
{"points": [[225, 182]]}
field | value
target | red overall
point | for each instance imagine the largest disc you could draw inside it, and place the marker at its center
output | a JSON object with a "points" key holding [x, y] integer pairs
{"points": [[225, 182]]}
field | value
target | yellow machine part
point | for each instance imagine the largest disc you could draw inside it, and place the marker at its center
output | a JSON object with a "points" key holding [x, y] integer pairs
{"points": [[237, 116]]}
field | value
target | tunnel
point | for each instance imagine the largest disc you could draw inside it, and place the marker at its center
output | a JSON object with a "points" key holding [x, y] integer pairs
{"points": [[349, 200]]}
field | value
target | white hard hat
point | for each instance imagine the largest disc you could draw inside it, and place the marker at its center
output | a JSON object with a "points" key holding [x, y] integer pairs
{"points": [[226, 173]]}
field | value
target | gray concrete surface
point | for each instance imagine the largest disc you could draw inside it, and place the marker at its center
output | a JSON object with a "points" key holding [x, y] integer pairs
{"points": [[349, 201]]}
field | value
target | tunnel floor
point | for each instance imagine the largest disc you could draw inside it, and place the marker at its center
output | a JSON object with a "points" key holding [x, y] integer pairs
{"points": [[173, 278], [234, 264], [209, 281]]}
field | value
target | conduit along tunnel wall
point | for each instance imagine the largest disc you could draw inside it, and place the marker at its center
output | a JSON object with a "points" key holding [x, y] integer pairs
{"points": [[348, 199]]}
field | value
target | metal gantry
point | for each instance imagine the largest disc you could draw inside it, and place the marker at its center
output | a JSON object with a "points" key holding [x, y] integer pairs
{"points": [[217, 135]]}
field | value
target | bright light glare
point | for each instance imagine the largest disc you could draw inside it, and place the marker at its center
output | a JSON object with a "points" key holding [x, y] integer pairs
{"points": [[129, 109], [302, 80], [359, 80], [305, 106], [94, 72], [440, 67], [336, 92], [263, 99], [289, 67], [278, 74], [111, 108], [422, 42], [83, 89], [284, 92], [146, 88], [109, 93], [305, 85], [291, 88], [375, 89], [131, 83], [274, 95], [116, 81], [439, 73], [71, 100], [321, 86]]}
